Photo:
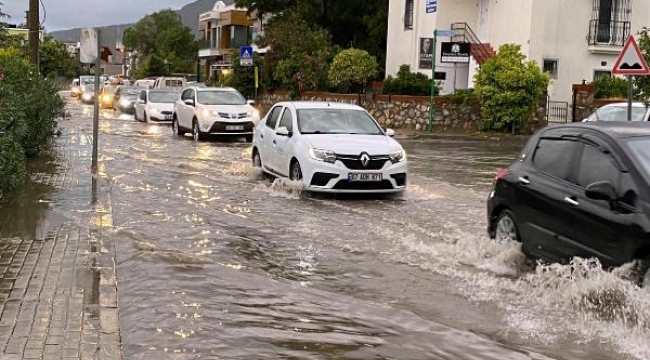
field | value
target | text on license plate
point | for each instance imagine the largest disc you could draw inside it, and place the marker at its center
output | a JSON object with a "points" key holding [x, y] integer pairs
{"points": [[234, 127], [168, 117], [365, 177]]}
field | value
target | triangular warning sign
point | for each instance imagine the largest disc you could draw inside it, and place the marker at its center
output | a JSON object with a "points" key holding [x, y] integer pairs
{"points": [[631, 61], [246, 55]]}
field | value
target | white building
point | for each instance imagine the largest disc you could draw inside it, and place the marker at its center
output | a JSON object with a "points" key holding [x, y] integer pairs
{"points": [[574, 40]]}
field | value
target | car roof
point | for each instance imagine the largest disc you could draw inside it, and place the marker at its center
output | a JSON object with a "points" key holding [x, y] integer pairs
{"points": [[320, 105], [617, 129], [636, 104], [200, 88]]}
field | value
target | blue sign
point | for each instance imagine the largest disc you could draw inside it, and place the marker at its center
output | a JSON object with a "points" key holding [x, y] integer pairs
{"points": [[432, 6], [246, 56], [445, 33]]}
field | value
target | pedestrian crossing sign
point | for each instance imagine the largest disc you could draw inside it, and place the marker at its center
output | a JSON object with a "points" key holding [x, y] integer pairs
{"points": [[246, 56]]}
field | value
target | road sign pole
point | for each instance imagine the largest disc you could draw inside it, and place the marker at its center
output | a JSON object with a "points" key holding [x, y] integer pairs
{"points": [[629, 97], [433, 81], [98, 63]]}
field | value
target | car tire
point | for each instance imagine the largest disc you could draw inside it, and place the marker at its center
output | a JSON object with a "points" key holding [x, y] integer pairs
{"points": [[249, 138], [197, 135], [145, 118], [295, 173], [641, 273], [176, 128], [135, 116], [505, 228], [257, 159]]}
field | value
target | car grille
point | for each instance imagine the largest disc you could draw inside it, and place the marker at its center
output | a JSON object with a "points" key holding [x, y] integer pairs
{"points": [[220, 127], [353, 162], [166, 112], [364, 185], [321, 179], [400, 179], [233, 116]]}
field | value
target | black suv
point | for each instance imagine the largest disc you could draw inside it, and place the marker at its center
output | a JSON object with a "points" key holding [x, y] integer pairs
{"points": [[579, 190]]}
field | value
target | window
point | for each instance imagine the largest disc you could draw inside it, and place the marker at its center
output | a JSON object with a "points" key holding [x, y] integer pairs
{"points": [[550, 66], [610, 23], [143, 96], [553, 156], [187, 94], [287, 120], [273, 117], [408, 15], [599, 74], [596, 166]]}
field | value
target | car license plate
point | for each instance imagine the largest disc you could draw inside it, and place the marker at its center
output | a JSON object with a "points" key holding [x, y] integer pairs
{"points": [[168, 117], [365, 177], [234, 127]]}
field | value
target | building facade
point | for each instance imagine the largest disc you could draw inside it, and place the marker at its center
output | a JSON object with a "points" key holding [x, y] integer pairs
{"points": [[225, 29], [574, 41]]}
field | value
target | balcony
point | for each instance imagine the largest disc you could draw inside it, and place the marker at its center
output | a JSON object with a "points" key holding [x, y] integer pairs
{"points": [[607, 37]]}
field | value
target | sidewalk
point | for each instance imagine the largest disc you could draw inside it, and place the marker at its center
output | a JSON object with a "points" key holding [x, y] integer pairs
{"points": [[58, 289]]}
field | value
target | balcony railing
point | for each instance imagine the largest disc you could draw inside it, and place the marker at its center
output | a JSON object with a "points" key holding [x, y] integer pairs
{"points": [[612, 33]]}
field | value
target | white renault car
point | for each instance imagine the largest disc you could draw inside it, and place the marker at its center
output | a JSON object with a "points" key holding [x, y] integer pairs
{"points": [[156, 105], [329, 147], [219, 111]]}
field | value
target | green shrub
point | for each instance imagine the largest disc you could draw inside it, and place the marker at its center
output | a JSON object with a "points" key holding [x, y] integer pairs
{"points": [[462, 95], [354, 68], [12, 164], [508, 87], [610, 87], [409, 83]]}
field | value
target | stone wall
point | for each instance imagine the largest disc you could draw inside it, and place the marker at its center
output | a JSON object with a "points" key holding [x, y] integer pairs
{"points": [[410, 112]]}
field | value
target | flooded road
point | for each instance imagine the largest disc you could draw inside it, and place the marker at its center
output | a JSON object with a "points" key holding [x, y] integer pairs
{"points": [[216, 261]]}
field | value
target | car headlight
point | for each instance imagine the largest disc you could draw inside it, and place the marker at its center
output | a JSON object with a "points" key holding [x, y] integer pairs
{"points": [[254, 113], [206, 113], [106, 98], [86, 96], [398, 156], [75, 89], [322, 155], [125, 102]]}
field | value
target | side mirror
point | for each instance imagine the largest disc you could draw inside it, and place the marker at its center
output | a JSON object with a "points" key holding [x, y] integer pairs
{"points": [[189, 102], [603, 190], [250, 102], [283, 131], [390, 132]]}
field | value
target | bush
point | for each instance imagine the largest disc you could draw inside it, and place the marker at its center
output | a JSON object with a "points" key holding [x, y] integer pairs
{"points": [[508, 88], [353, 67], [610, 87], [12, 164], [409, 83]]}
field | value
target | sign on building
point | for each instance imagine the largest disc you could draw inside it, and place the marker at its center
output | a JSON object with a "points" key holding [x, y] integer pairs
{"points": [[426, 53], [246, 56], [455, 52], [88, 49], [432, 6]]}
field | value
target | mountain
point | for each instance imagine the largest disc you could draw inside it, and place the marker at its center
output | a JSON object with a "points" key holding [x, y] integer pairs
{"points": [[189, 16]]}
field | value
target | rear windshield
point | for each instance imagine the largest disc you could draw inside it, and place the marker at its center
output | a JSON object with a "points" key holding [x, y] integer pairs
{"points": [[641, 151], [163, 97], [618, 113]]}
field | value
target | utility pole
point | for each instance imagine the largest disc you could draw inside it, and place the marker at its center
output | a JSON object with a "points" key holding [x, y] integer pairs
{"points": [[34, 31]]}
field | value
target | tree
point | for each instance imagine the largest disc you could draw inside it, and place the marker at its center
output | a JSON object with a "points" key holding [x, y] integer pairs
{"points": [[642, 83], [508, 87], [152, 65], [54, 58], [353, 67]]}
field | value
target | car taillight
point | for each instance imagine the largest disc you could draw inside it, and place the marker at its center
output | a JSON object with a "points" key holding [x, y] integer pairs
{"points": [[500, 174]]}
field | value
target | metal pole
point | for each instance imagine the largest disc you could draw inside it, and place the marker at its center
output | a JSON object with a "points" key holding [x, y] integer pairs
{"points": [[34, 31], [629, 97], [98, 64], [198, 70], [433, 81]]}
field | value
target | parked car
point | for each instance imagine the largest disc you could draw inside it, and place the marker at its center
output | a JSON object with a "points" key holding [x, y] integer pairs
{"points": [[84, 81], [107, 95], [156, 105], [145, 83], [88, 95], [75, 89], [170, 83], [214, 111], [618, 112], [579, 190], [125, 98], [329, 148]]}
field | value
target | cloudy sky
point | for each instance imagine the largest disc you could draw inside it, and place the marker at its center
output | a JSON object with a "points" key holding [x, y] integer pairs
{"points": [[65, 14]]}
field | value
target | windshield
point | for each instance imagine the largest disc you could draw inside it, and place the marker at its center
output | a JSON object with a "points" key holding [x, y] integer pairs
{"points": [[163, 97], [132, 90], [641, 150], [221, 98], [336, 121], [618, 113], [90, 87], [87, 80]]}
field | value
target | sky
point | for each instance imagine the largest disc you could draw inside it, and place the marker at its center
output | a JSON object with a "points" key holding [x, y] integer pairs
{"points": [[66, 14]]}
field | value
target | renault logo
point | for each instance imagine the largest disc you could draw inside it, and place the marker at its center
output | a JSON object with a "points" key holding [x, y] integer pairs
{"points": [[365, 159]]}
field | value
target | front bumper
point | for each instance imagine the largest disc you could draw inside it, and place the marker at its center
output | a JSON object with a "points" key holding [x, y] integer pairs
{"points": [[163, 116], [319, 176], [240, 127], [130, 108]]}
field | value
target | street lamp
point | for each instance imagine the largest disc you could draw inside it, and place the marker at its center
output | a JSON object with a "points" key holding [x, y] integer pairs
{"points": [[169, 67]]}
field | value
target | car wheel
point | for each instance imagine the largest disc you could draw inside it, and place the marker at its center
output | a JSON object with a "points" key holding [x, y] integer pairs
{"points": [[176, 129], [145, 119], [249, 138], [196, 133], [135, 116], [296, 172], [257, 160], [505, 228]]}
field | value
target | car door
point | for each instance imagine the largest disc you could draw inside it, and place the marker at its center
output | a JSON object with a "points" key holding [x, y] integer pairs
{"points": [[116, 98], [186, 112], [599, 228], [284, 144], [540, 196], [267, 136], [140, 104]]}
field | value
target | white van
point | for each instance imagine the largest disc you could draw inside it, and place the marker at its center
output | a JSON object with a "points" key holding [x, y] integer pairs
{"points": [[170, 83], [145, 83]]}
